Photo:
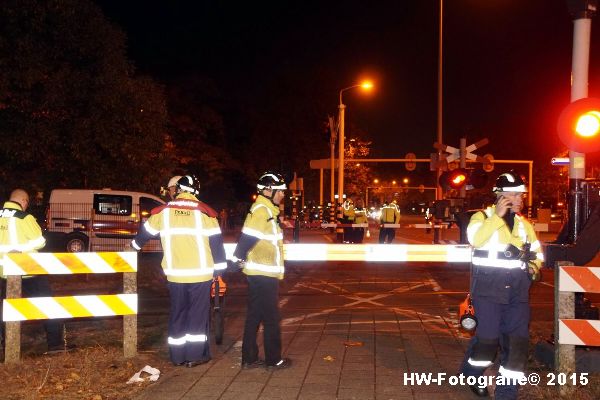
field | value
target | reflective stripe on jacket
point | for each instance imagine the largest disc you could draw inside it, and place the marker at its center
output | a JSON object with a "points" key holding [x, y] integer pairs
{"points": [[191, 240], [266, 257]]}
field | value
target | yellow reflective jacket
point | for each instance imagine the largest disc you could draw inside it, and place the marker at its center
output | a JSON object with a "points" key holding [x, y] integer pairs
{"points": [[488, 232], [390, 214], [191, 239], [19, 231], [349, 213], [360, 216], [265, 257]]}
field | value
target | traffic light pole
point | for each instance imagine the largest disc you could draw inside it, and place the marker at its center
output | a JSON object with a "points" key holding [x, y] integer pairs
{"points": [[582, 27], [463, 163]]}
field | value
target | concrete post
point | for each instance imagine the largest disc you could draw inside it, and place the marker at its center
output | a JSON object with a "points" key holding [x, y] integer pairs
{"points": [[564, 307], [130, 321], [12, 349]]}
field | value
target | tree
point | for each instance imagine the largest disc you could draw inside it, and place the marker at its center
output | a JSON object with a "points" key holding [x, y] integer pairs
{"points": [[197, 131], [356, 175], [74, 114]]}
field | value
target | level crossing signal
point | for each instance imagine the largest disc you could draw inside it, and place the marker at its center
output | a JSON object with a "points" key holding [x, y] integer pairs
{"points": [[579, 125], [462, 177]]}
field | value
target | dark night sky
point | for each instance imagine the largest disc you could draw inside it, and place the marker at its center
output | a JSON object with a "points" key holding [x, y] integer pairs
{"points": [[506, 62]]}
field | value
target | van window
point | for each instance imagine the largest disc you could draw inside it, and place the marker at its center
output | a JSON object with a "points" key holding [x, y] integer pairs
{"points": [[146, 205], [111, 204]]}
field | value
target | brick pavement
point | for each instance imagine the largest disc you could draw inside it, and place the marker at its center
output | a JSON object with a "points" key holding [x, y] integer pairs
{"points": [[341, 355]]}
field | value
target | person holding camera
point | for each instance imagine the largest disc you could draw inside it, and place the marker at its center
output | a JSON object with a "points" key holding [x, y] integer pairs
{"points": [[506, 258]]}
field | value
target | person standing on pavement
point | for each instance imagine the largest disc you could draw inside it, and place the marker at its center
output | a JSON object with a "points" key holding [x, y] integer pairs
{"points": [[506, 258], [260, 254], [20, 233], [193, 254], [360, 217], [348, 218], [390, 214]]}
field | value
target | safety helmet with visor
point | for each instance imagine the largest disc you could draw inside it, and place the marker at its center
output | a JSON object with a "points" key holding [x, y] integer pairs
{"points": [[188, 184], [509, 182]]}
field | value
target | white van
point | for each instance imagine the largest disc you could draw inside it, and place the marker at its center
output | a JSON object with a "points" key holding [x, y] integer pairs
{"points": [[97, 220]]}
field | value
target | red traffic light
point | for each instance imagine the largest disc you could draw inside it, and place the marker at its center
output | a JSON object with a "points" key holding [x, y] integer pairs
{"points": [[579, 125], [454, 179], [457, 178]]}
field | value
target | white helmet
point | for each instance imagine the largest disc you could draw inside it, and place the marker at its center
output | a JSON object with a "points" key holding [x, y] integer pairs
{"points": [[173, 181]]}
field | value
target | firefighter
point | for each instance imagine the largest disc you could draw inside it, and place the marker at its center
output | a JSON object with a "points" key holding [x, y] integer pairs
{"points": [[348, 218], [360, 217], [193, 254], [20, 233], [503, 269], [390, 214], [259, 253]]}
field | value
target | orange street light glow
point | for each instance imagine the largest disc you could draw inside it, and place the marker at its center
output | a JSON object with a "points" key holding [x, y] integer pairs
{"points": [[367, 85]]}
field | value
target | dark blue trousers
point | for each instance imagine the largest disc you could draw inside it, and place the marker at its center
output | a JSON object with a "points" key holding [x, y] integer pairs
{"points": [[503, 326], [189, 321], [263, 307]]}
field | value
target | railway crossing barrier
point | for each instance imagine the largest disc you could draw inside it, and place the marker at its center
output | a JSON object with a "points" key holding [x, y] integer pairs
{"points": [[570, 332], [17, 309]]}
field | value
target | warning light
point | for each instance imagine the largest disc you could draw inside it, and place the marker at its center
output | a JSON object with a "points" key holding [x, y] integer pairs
{"points": [[579, 125]]}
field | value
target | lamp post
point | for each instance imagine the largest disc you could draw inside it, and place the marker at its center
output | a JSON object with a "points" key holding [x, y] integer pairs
{"points": [[341, 137]]}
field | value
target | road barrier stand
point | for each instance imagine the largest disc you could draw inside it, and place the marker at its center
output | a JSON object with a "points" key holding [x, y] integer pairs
{"points": [[17, 309], [568, 331]]}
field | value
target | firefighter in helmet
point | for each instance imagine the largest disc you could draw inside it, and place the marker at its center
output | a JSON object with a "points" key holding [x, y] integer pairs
{"points": [[193, 255], [348, 218], [259, 253], [506, 258]]}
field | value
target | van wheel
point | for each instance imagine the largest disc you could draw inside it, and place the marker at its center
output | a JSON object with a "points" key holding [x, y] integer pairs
{"points": [[76, 243]]}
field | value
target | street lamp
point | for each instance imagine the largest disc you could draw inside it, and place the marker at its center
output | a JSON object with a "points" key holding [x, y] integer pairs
{"points": [[366, 85]]}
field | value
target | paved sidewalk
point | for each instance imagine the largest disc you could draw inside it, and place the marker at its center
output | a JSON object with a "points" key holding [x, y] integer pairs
{"points": [[352, 355]]}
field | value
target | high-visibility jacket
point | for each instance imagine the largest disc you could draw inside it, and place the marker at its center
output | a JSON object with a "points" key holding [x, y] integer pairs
{"points": [[360, 215], [19, 231], [261, 241], [496, 271], [390, 214], [191, 239], [349, 211]]}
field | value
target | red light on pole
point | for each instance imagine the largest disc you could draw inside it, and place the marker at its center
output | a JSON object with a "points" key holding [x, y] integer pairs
{"points": [[579, 125]]}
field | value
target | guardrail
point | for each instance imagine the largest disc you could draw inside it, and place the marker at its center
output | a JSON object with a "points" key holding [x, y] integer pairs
{"points": [[568, 331], [16, 309]]}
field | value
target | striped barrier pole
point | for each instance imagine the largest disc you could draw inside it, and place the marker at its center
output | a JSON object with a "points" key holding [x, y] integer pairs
{"points": [[16, 309], [572, 332], [371, 252]]}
